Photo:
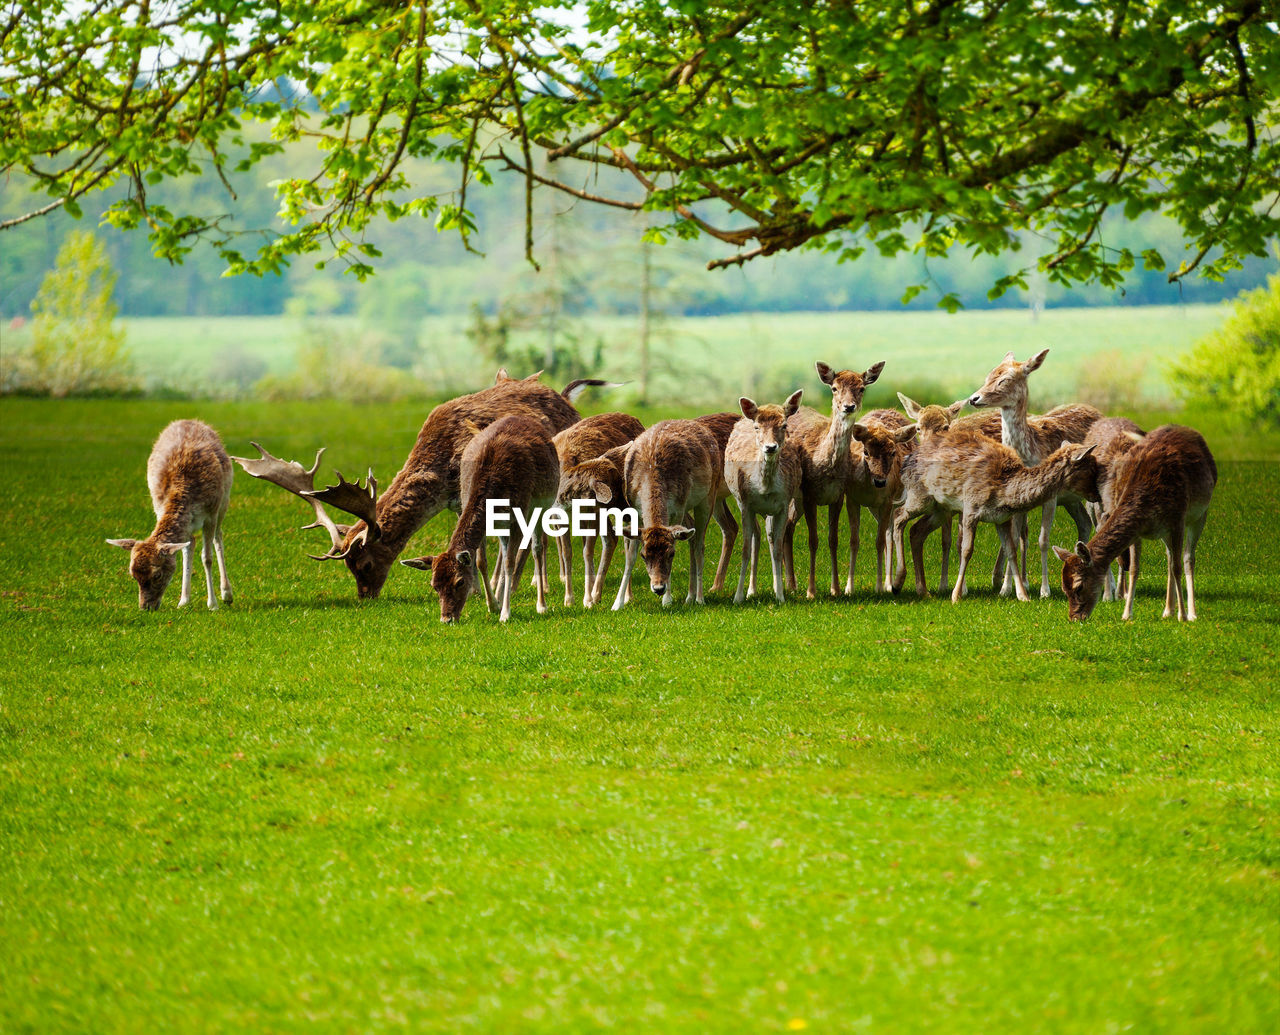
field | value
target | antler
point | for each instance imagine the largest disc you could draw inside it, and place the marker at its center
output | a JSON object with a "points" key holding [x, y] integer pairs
{"points": [[291, 475], [362, 502]]}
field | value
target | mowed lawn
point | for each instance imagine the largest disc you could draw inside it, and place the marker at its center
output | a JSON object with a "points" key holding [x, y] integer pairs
{"points": [[867, 814]]}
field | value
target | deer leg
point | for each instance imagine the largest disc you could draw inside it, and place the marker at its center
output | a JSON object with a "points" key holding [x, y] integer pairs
{"points": [[773, 527], [750, 551], [811, 523], [510, 557], [919, 533], [1174, 544], [728, 535], [629, 551], [206, 559], [1131, 584], [968, 526], [698, 552], [884, 555], [225, 582], [482, 566], [833, 545], [540, 568], [588, 568], [1005, 532], [900, 517], [855, 539], [788, 545], [1189, 562], [564, 547], [597, 587], [944, 585], [748, 529], [188, 558]]}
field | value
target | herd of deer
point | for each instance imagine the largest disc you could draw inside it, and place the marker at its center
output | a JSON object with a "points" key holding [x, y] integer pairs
{"points": [[523, 442]]}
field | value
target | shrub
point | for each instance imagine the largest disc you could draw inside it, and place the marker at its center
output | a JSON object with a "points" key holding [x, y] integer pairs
{"points": [[1237, 368], [1112, 381], [328, 369]]}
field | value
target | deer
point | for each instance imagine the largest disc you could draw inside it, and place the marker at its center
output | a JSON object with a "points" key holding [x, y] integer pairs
{"points": [[672, 470], [189, 475], [581, 443], [763, 470], [427, 483], [1033, 440], [824, 450], [512, 459], [875, 481], [1114, 438], [982, 480], [721, 425], [1162, 491]]}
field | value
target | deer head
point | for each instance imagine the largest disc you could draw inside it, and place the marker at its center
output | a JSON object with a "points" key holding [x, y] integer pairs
{"points": [[658, 551], [847, 387], [770, 423], [931, 419], [1006, 385], [152, 565], [453, 577], [1081, 581], [880, 448]]}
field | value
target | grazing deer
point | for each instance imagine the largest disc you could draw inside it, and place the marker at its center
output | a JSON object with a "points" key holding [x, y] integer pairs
{"points": [[600, 479], [189, 475], [1162, 491], [824, 450], [580, 443], [762, 470], [1033, 440], [672, 470], [513, 459], [982, 480], [429, 480], [1114, 437]]}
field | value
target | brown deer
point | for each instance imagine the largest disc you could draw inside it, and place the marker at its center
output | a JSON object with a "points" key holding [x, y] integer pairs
{"points": [[824, 450], [513, 459], [674, 469], [721, 425], [1162, 491], [982, 480], [875, 482], [1114, 437], [600, 479], [580, 443], [931, 421], [429, 480], [189, 475], [762, 470], [1033, 440]]}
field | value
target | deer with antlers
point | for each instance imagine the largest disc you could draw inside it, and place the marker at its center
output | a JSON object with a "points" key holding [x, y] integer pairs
{"points": [[429, 480], [763, 473], [824, 444], [1034, 439], [513, 459], [189, 475], [1162, 491]]}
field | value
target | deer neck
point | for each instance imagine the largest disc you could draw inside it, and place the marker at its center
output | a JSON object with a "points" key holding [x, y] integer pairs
{"points": [[409, 503], [1116, 534], [172, 526], [1015, 430], [468, 534], [1032, 486], [835, 446]]}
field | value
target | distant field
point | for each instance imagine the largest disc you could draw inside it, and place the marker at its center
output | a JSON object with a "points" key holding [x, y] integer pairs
{"points": [[714, 358]]}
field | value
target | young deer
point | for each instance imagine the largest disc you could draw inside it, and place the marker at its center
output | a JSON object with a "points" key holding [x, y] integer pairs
{"points": [[513, 459], [428, 481], [189, 475], [875, 481], [1033, 440], [931, 421], [674, 469], [1163, 491], [584, 442], [1114, 437], [721, 425], [824, 450], [982, 480], [762, 471]]}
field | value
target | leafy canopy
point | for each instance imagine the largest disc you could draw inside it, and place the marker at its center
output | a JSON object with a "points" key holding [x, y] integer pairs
{"points": [[840, 124]]}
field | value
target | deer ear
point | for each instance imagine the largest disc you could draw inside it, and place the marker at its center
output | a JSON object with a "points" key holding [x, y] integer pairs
{"points": [[872, 373], [748, 407], [954, 409], [825, 372], [1082, 551], [1134, 436], [464, 558], [1063, 555], [421, 563], [1084, 452], [604, 494], [793, 402], [501, 376], [1034, 362], [910, 405], [681, 532], [1009, 357], [906, 434], [173, 547], [124, 544], [860, 432]]}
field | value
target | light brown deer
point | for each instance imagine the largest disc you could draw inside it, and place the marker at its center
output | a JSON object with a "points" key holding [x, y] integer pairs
{"points": [[1163, 491], [763, 470], [600, 479], [674, 469], [583, 442], [824, 449], [982, 480], [513, 459], [1114, 437], [1006, 388], [875, 482], [429, 480], [189, 475], [932, 420], [721, 425]]}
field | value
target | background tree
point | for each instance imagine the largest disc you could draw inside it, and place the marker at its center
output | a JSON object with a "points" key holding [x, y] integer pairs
{"points": [[77, 346], [931, 124]]}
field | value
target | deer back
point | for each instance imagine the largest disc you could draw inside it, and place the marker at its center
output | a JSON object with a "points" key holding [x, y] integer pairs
{"points": [[594, 436], [678, 461], [189, 474]]}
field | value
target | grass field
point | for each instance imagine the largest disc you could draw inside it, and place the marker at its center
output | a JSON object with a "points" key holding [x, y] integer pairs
{"points": [[866, 814]]}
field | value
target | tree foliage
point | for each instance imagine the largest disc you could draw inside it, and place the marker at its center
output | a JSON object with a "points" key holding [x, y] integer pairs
{"points": [[770, 125]]}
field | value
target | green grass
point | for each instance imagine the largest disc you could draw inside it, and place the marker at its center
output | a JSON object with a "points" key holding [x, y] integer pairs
{"points": [[881, 814]]}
